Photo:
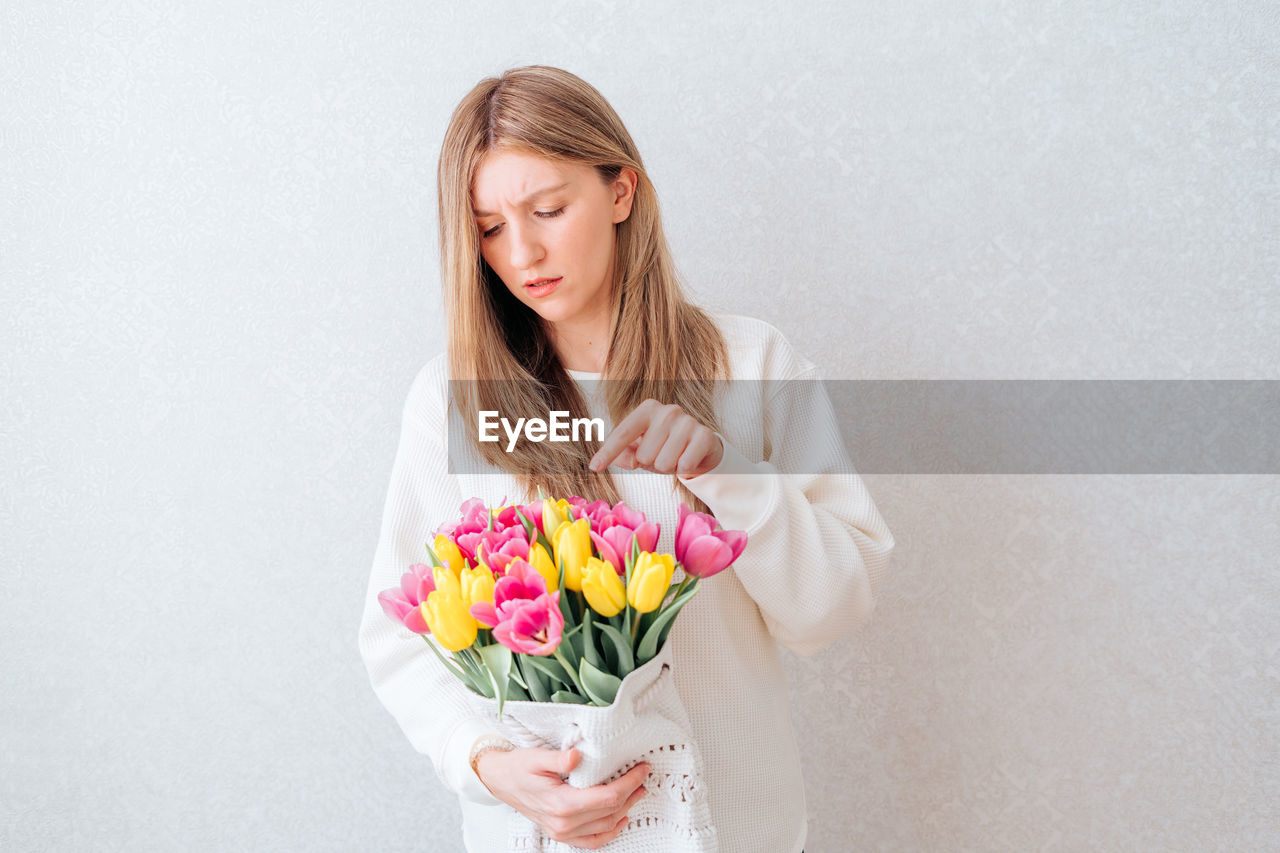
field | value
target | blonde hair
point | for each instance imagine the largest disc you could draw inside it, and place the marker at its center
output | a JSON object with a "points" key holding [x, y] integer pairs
{"points": [[661, 345]]}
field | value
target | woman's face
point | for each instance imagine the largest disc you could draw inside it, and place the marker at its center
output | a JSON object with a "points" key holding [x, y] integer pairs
{"points": [[540, 219]]}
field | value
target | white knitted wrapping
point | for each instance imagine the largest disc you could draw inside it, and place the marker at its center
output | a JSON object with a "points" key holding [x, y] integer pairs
{"points": [[646, 723]]}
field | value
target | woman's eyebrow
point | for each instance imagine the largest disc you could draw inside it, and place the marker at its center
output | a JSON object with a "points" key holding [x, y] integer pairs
{"points": [[524, 200]]}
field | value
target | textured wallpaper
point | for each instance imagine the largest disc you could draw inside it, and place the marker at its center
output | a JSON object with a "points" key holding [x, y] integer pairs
{"points": [[218, 275]]}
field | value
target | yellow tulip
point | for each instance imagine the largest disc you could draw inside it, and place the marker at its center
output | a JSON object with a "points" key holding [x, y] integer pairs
{"points": [[604, 590], [572, 545], [541, 560], [477, 585], [650, 580], [554, 514], [447, 614], [449, 554]]}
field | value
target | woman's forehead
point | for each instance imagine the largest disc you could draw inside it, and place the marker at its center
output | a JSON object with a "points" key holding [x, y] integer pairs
{"points": [[519, 178]]}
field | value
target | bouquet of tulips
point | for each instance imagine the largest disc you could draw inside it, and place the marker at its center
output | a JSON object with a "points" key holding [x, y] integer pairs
{"points": [[555, 601], [556, 615]]}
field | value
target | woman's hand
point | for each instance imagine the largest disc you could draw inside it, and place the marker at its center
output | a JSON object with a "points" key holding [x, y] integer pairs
{"points": [[665, 439], [531, 782]]}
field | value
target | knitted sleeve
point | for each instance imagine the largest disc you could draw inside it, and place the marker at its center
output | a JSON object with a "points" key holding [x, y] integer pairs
{"points": [[428, 702], [817, 545]]}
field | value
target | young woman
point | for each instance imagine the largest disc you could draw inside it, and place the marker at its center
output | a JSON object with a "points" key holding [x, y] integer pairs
{"points": [[556, 274]]}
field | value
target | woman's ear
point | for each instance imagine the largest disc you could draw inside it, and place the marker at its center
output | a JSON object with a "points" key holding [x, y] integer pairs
{"points": [[624, 188]]}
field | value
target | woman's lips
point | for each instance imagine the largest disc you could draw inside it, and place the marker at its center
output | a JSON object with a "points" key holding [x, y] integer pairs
{"points": [[543, 288]]}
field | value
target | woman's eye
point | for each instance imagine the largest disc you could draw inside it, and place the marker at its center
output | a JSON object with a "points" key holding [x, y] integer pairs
{"points": [[544, 214]]}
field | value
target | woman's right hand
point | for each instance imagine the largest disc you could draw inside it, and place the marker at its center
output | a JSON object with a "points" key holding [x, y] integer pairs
{"points": [[531, 782]]}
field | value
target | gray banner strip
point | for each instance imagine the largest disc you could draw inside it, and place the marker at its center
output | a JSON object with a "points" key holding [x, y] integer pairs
{"points": [[1060, 426], [1044, 426]]}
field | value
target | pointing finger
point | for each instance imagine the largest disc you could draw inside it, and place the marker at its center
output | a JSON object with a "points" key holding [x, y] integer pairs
{"points": [[624, 433]]}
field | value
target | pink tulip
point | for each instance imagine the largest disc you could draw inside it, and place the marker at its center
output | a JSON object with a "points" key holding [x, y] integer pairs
{"points": [[702, 547], [533, 512], [474, 522], [474, 518], [647, 536], [498, 548], [506, 518], [468, 544], [615, 528], [533, 627], [591, 511], [403, 604], [620, 537], [603, 516], [608, 551], [522, 583]]}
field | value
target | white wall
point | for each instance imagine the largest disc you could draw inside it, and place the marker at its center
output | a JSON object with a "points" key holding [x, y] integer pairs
{"points": [[219, 275]]}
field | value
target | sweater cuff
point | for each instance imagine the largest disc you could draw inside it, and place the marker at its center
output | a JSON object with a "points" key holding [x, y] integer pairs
{"points": [[455, 762], [740, 493]]}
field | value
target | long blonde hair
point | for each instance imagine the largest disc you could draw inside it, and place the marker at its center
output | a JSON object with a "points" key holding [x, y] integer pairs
{"points": [[661, 345]]}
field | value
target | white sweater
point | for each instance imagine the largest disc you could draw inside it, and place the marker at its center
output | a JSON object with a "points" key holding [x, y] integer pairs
{"points": [[816, 549]]}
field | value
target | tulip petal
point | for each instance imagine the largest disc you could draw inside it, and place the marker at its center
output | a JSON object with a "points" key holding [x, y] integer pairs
{"points": [[707, 556], [394, 604], [484, 613], [632, 518], [414, 622], [607, 552], [735, 539], [692, 526], [647, 535]]}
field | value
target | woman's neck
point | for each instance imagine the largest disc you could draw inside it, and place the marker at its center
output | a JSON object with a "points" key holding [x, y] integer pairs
{"points": [[582, 346]]}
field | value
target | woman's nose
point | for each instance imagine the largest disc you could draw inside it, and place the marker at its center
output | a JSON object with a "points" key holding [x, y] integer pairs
{"points": [[526, 248]]}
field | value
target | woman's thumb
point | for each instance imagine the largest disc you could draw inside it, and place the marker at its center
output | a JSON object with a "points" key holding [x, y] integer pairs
{"points": [[557, 762]]}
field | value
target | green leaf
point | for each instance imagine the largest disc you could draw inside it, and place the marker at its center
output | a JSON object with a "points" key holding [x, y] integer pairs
{"points": [[435, 561], [662, 636], [534, 679], [517, 673], [621, 647], [528, 525], [589, 651], [565, 610], [497, 662], [448, 662], [476, 678], [551, 668], [649, 641], [569, 698], [630, 559], [571, 646], [600, 685]]}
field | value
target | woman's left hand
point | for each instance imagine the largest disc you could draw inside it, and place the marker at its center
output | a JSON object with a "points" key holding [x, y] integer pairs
{"points": [[661, 438]]}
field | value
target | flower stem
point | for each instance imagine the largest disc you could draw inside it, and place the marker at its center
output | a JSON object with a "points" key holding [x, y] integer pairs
{"points": [[683, 583], [564, 663], [452, 667]]}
